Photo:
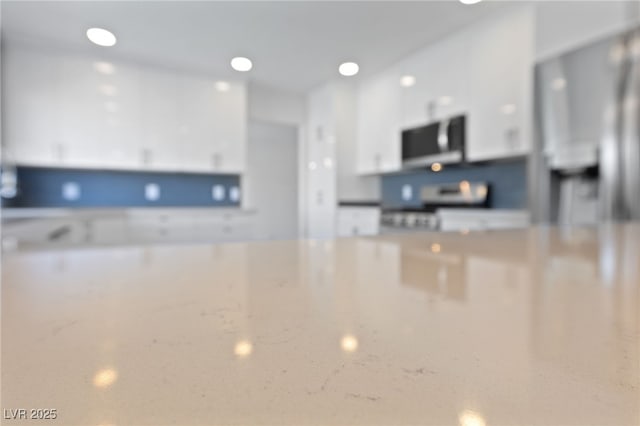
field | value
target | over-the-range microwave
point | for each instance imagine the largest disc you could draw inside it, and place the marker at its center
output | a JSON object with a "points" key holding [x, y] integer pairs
{"points": [[440, 142]]}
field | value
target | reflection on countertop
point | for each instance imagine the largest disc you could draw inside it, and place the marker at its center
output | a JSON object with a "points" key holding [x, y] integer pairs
{"points": [[536, 326]]}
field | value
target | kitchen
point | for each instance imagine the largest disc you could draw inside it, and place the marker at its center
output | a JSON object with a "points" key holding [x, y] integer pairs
{"points": [[247, 187]]}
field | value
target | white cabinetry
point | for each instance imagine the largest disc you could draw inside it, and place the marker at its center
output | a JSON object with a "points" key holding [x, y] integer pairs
{"points": [[501, 83], [320, 159], [484, 71], [160, 147], [378, 123], [64, 111], [353, 221], [482, 219], [99, 115], [30, 123], [440, 89]]}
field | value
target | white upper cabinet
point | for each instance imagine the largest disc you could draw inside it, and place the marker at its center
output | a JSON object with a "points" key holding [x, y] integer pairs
{"points": [[378, 123], [160, 148], [229, 108], [501, 83], [66, 110], [99, 115], [30, 123], [434, 82], [484, 72]]}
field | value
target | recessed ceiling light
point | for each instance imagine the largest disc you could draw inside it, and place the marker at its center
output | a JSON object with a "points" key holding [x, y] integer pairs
{"points": [[470, 1], [101, 37], [242, 64], [222, 86], [436, 167], [348, 69], [407, 81]]}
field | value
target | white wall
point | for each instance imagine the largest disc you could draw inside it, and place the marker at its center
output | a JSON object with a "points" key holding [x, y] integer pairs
{"points": [[562, 26], [276, 106], [271, 181]]}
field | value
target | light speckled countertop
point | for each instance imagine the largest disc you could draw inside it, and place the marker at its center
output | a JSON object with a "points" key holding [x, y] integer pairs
{"points": [[531, 327]]}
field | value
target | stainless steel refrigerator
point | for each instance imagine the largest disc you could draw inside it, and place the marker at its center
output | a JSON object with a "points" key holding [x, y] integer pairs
{"points": [[586, 166]]}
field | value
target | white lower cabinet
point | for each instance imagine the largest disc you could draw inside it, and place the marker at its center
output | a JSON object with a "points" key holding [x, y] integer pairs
{"points": [[133, 226], [354, 221], [482, 220]]}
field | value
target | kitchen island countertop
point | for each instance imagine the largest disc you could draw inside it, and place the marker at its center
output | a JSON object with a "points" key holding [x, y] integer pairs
{"points": [[535, 326]]}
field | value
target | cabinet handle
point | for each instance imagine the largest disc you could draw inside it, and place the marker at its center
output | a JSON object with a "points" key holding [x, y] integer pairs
{"points": [[512, 137], [443, 136], [59, 152], [431, 110], [216, 160], [319, 197], [146, 157], [377, 161]]}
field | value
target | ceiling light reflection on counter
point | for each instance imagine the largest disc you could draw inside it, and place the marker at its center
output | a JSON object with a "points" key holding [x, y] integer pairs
{"points": [[242, 64], [243, 349], [435, 248], [105, 378], [349, 343], [407, 81], [348, 69], [471, 418], [101, 37]]}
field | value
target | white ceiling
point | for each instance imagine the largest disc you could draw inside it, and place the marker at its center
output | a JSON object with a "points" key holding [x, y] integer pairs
{"points": [[294, 45]]}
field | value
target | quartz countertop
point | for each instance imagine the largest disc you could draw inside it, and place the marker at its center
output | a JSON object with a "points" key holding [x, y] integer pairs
{"points": [[532, 327]]}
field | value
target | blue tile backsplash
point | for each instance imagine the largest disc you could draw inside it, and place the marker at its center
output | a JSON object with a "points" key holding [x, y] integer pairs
{"points": [[54, 187], [508, 183]]}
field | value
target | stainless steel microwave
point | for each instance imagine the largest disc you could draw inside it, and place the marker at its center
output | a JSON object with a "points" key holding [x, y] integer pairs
{"points": [[440, 142]]}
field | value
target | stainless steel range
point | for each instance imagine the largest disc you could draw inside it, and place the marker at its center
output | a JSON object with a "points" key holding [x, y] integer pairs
{"points": [[463, 194]]}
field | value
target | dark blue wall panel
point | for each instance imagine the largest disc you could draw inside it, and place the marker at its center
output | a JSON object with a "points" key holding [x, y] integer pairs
{"points": [[508, 183], [42, 187]]}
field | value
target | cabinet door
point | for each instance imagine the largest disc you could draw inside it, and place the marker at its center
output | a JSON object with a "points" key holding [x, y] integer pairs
{"points": [[82, 113], [230, 128], [501, 87], [30, 107], [435, 86], [161, 129], [198, 124], [119, 127], [379, 102]]}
